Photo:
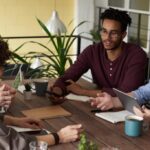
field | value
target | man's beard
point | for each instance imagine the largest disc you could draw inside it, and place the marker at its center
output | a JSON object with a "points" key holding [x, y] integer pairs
{"points": [[115, 46]]}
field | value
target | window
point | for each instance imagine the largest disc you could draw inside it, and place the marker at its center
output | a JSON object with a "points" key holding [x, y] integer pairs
{"points": [[116, 3], [139, 4], [137, 32]]}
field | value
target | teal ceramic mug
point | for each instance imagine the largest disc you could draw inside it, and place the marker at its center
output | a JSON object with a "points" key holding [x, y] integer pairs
{"points": [[133, 125]]}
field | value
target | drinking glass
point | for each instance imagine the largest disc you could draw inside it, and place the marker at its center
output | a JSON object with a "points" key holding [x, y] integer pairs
{"points": [[38, 145], [2, 109]]}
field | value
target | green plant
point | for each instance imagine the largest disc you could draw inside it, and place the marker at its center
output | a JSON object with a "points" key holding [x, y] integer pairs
{"points": [[85, 144], [95, 34], [55, 59], [27, 87]]}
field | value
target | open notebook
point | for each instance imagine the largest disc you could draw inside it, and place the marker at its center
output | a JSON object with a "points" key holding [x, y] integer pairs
{"points": [[75, 97], [114, 117]]}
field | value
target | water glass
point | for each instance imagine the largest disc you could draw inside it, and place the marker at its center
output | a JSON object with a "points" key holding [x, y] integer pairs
{"points": [[38, 145], [2, 109]]}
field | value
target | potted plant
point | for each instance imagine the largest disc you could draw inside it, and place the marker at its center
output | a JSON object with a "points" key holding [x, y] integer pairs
{"points": [[27, 92], [54, 59], [85, 144]]}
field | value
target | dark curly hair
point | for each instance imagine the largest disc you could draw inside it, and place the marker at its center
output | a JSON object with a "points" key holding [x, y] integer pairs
{"points": [[117, 15], [5, 53]]}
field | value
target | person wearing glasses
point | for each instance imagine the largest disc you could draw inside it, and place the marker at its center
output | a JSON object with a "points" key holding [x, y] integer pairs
{"points": [[113, 62]]}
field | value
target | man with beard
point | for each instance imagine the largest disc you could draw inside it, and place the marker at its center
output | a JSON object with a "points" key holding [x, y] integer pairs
{"points": [[113, 63]]}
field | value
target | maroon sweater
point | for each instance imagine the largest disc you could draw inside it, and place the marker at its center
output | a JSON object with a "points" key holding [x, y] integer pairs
{"points": [[126, 73]]}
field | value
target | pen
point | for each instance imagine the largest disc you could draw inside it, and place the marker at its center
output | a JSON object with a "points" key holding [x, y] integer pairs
{"points": [[95, 110]]}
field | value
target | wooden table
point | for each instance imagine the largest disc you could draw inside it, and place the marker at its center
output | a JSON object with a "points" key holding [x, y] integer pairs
{"points": [[105, 134]]}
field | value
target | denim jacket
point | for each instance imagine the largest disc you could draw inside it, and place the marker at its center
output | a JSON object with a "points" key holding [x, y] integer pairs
{"points": [[142, 93]]}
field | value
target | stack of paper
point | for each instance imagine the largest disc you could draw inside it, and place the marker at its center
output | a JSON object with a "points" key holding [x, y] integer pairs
{"points": [[78, 97], [114, 117], [21, 129]]}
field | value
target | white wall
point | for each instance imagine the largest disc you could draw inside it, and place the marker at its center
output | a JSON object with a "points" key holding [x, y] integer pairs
{"points": [[85, 10]]}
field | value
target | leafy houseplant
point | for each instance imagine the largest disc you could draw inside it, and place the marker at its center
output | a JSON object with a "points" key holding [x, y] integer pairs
{"points": [[58, 57], [54, 59], [85, 144]]}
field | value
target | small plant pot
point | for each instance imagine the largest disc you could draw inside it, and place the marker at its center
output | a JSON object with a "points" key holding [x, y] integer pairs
{"points": [[27, 95]]}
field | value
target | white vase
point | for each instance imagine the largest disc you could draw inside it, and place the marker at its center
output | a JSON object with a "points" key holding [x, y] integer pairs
{"points": [[27, 95]]}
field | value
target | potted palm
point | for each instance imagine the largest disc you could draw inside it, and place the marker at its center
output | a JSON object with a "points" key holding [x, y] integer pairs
{"points": [[54, 59], [57, 58]]}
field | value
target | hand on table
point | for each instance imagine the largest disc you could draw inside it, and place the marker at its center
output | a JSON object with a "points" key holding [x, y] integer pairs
{"points": [[26, 122], [6, 95], [55, 95], [144, 112], [103, 101], [70, 133]]}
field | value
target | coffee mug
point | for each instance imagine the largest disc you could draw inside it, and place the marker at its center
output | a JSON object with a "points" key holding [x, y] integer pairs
{"points": [[133, 125], [41, 87]]}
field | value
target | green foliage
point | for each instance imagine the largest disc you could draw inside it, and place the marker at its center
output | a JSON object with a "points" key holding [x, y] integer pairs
{"points": [[95, 34], [54, 59], [85, 144], [16, 81], [16, 58], [27, 87], [58, 56]]}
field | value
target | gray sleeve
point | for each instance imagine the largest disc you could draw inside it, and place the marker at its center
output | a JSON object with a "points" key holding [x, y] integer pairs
{"points": [[12, 140]]}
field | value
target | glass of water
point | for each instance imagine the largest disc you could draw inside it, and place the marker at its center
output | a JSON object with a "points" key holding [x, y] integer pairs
{"points": [[2, 109], [38, 145]]}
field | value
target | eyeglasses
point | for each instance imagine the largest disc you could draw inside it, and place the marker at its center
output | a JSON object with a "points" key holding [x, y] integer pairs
{"points": [[112, 34]]}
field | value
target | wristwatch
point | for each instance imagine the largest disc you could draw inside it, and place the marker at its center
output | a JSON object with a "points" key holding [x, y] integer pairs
{"points": [[56, 137]]}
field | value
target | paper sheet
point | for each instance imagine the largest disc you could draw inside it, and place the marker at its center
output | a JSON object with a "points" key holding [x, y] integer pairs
{"points": [[114, 117], [20, 129], [78, 97]]}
